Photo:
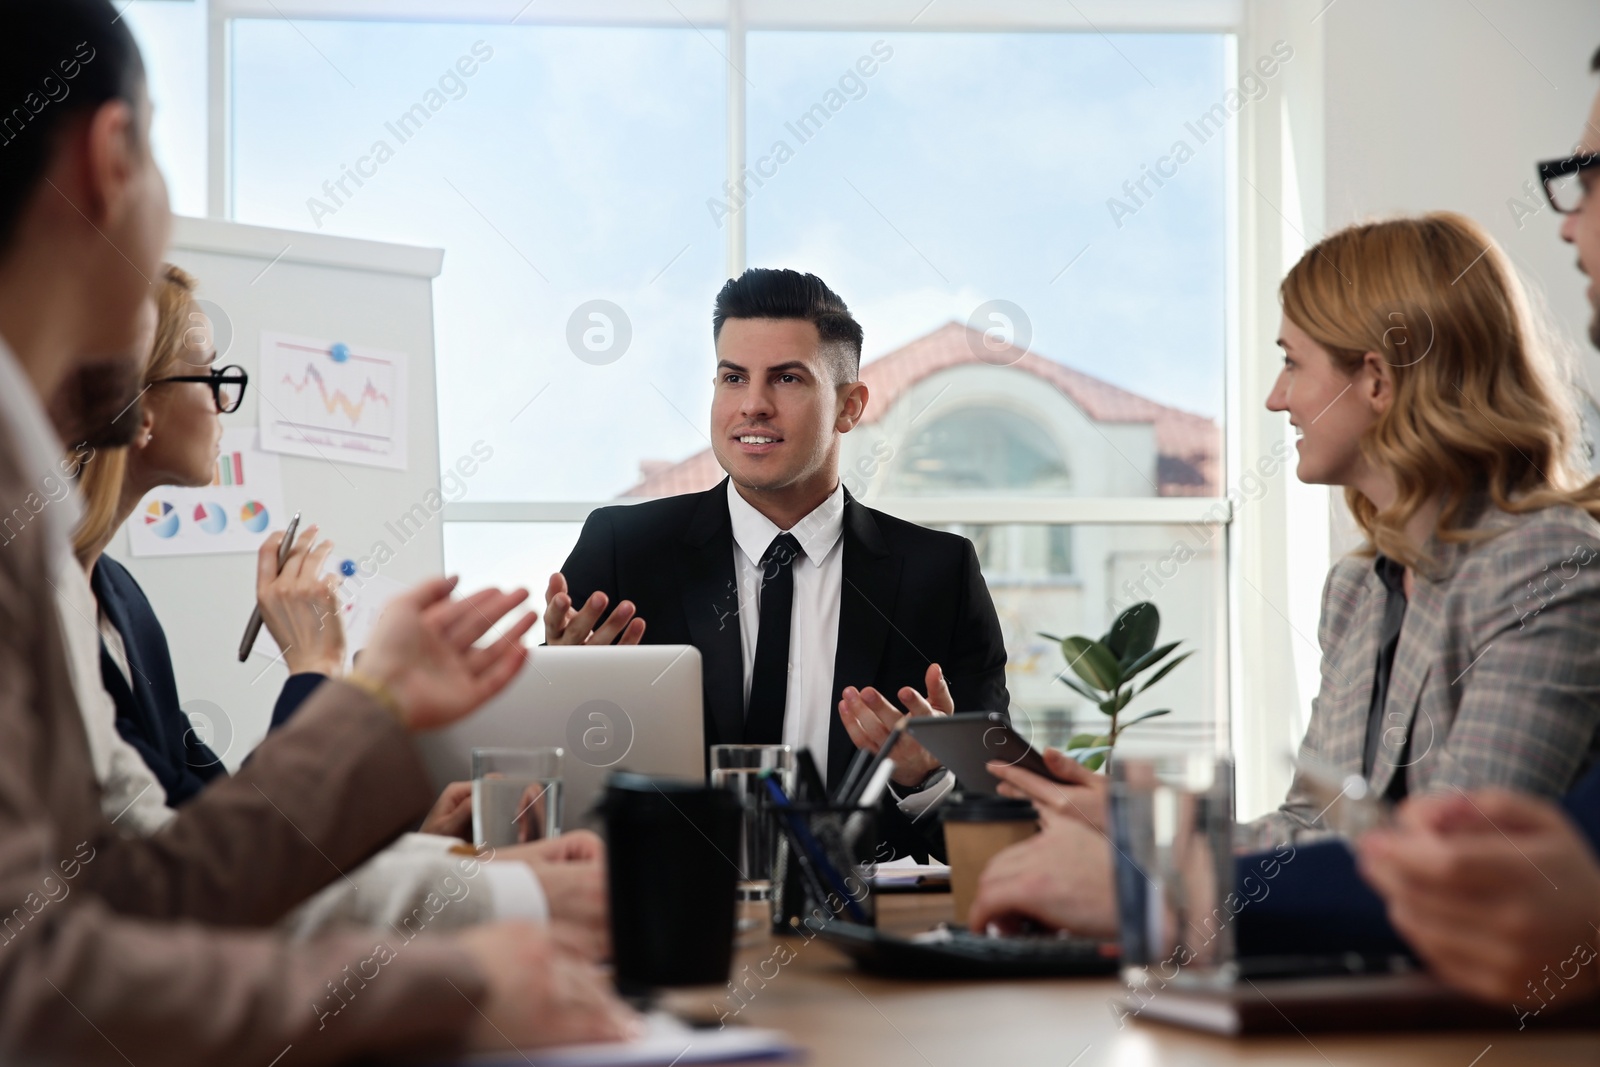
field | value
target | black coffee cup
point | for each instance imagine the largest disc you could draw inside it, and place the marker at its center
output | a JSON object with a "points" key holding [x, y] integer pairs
{"points": [[668, 849]]}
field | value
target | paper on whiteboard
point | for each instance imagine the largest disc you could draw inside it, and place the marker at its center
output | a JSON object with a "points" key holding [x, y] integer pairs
{"points": [[235, 513], [333, 400]]}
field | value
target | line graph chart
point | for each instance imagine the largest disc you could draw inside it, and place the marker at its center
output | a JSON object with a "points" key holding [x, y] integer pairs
{"points": [[334, 400]]}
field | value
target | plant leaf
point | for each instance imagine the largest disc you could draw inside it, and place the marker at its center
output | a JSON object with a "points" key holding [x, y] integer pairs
{"points": [[1048, 637], [1162, 673], [1115, 704], [1134, 632], [1142, 718], [1081, 689], [1149, 659], [1082, 741], [1092, 763], [1093, 662]]}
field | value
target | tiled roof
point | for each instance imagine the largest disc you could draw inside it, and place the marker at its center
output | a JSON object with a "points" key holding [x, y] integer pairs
{"points": [[1188, 445]]}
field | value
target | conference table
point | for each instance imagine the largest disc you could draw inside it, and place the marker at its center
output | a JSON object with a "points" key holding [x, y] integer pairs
{"points": [[840, 1015]]}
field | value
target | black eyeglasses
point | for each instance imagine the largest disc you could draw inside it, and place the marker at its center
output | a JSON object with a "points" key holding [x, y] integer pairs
{"points": [[227, 386], [1563, 186]]}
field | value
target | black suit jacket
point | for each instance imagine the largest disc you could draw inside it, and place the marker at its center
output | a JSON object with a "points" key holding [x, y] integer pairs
{"points": [[910, 597]]}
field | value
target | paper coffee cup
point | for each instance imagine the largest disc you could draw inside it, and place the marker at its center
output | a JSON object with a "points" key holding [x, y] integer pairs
{"points": [[974, 830]]}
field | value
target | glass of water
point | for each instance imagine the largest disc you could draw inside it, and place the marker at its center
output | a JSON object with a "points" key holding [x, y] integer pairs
{"points": [[739, 768], [516, 795], [1172, 823]]}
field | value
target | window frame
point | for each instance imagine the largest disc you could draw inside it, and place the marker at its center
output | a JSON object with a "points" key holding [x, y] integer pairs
{"points": [[1273, 163]]}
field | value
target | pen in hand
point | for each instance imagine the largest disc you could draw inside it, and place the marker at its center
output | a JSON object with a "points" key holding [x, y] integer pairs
{"points": [[252, 629]]}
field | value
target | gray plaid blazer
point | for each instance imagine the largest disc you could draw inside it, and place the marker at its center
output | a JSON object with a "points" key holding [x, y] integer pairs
{"points": [[1496, 679]]}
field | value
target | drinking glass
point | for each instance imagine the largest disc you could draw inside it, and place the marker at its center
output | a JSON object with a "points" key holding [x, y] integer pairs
{"points": [[1172, 824], [738, 768], [516, 795]]}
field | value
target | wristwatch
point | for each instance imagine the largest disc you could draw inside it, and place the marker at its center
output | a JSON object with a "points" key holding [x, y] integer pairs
{"points": [[904, 791]]}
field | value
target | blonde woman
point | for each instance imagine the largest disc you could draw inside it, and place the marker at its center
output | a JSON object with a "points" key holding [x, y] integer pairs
{"points": [[1461, 644], [176, 443], [416, 883]]}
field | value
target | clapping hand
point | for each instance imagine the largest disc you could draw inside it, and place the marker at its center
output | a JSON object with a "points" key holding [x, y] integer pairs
{"points": [[423, 651]]}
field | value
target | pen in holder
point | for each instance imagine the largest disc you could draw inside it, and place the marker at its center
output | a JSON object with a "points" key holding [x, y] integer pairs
{"points": [[824, 865]]}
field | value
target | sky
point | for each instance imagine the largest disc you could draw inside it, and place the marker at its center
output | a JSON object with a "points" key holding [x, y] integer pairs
{"points": [[576, 165]]}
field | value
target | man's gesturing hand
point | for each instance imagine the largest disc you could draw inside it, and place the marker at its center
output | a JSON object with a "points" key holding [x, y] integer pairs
{"points": [[868, 717], [422, 651], [565, 626]]}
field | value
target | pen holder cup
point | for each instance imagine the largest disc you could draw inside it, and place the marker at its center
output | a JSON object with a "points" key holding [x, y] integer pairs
{"points": [[823, 869]]}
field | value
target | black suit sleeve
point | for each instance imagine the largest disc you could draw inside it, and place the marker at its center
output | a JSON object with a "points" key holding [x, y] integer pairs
{"points": [[592, 565], [976, 669]]}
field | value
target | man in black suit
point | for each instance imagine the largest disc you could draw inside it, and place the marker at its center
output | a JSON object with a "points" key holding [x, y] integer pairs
{"points": [[802, 601]]}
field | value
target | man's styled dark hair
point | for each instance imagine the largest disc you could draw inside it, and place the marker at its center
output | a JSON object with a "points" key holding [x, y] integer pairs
{"points": [[58, 58], [1594, 62], [762, 293]]}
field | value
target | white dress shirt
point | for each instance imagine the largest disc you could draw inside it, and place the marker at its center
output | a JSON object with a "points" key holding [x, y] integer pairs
{"points": [[810, 702], [130, 797]]}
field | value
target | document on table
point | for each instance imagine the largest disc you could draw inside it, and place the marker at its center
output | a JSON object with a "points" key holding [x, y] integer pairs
{"points": [[907, 872], [667, 1042]]}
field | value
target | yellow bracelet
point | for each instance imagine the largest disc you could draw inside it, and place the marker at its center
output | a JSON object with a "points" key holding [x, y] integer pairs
{"points": [[377, 691]]}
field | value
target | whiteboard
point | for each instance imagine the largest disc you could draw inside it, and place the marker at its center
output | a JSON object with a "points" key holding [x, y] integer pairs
{"points": [[359, 292]]}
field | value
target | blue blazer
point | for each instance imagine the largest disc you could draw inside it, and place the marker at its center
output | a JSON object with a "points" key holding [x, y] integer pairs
{"points": [[1318, 904], [149, 716]]}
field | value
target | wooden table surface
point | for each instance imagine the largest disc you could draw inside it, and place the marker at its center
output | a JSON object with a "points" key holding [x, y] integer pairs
{"points": [[842, 1016]]}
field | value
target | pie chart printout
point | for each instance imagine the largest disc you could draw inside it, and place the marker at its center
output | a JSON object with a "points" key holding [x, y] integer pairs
{"points": [[210, 518], [161, 519], [236, 511], [254, 516]]}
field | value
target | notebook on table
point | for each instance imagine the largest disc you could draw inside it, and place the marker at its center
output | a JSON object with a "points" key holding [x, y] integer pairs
{"points": [[946, 952]]}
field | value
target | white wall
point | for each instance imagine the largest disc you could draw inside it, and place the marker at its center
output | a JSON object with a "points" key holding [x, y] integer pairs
{"points": [[1433, 104]]}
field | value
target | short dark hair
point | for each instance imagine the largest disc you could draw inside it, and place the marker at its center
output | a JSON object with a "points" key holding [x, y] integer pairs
{"points": [[763, 293], [1594, 62], [58, 58]]}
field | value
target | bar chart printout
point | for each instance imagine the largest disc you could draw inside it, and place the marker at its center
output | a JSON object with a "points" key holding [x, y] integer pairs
{"points": [[332, 400]]}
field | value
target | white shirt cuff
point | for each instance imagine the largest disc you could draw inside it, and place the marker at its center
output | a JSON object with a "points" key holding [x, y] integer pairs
{"points": [[919, 804], [515, 891]]}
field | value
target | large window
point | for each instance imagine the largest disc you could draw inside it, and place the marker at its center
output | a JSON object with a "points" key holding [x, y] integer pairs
{"points": [[1041, 270]]}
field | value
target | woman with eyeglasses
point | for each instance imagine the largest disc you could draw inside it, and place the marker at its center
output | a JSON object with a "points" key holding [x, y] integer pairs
{"points": [[559, 879], [177, 443]]}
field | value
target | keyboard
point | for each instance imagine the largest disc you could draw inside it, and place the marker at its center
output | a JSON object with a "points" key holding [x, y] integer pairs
{"points": [[947, 952]]}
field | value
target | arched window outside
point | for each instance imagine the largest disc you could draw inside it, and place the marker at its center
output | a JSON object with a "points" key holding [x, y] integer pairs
{"points": [[977, 450], [993, 450]]}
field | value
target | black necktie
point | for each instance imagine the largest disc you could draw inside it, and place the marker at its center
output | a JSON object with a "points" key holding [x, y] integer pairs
{"points": [[769, 679]]}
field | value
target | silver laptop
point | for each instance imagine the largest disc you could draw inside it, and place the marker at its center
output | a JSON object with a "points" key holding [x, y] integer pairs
{"points": [[635, 708]]}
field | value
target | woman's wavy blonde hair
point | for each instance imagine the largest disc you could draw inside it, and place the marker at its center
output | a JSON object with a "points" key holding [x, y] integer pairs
{"points": [[1480, 403], [102, 480]]}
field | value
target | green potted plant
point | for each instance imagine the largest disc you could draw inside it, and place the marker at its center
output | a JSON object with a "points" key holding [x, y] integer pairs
{"points": [[1106, 670]]}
